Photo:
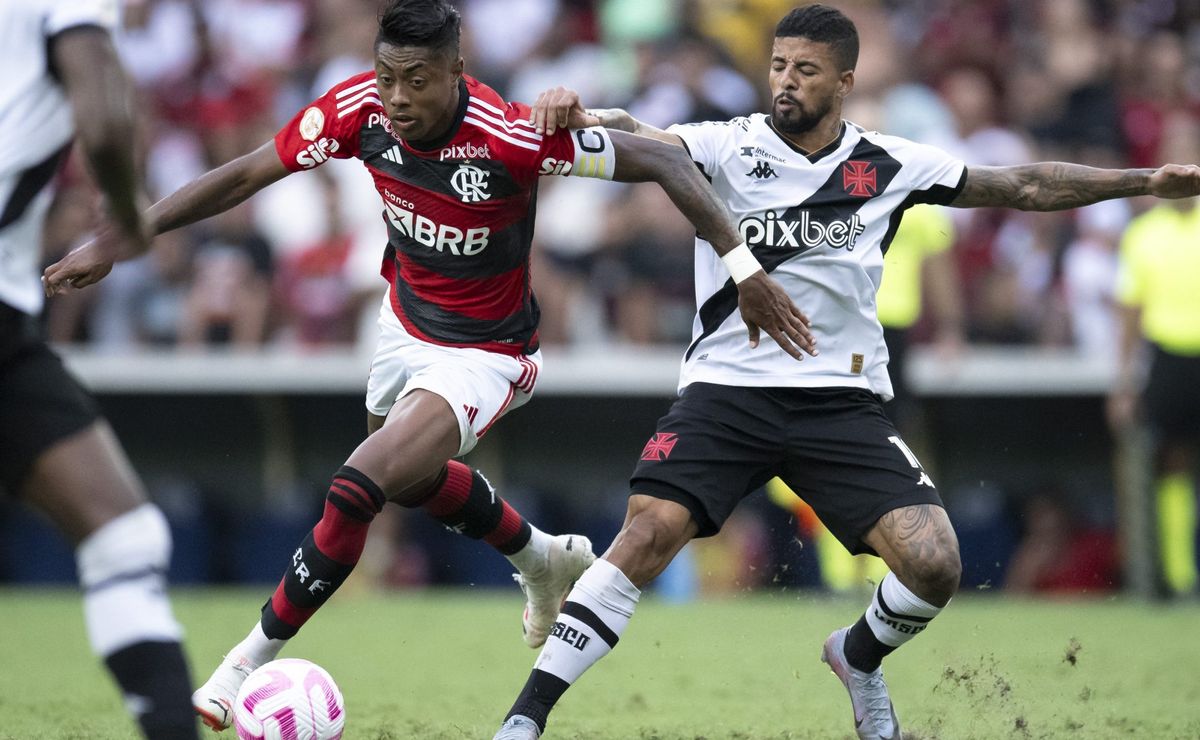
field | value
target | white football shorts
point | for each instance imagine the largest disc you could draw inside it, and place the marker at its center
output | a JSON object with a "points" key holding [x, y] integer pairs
{"points": [[480, 386]]}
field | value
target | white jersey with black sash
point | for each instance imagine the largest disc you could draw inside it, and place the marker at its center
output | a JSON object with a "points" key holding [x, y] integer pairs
{"points": [[819, 223], [38, 127]]}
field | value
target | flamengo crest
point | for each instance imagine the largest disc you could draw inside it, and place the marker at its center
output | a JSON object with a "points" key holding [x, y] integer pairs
{"points": [[471, 183]]}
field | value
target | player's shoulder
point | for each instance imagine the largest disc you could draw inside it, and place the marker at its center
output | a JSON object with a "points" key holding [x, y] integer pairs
{"points": [[345, 104], [737, 126], [355, 87], [898, 146], [505, 123]]}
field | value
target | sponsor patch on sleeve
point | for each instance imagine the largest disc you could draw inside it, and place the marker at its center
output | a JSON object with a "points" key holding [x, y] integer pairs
{"points": [[312, 124]]}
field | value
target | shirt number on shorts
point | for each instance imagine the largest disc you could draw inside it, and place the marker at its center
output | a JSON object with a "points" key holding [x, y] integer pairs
{"points": [[924, 480]]}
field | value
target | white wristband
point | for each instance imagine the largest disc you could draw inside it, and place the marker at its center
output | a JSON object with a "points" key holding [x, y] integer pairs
{"points": [[740, 262]]}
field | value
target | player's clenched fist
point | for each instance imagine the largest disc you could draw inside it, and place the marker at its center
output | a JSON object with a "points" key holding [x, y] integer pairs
{"points": [[1176, 181]]}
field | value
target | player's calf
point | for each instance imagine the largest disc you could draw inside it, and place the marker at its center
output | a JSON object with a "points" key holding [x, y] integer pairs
{"points": [[464, 501], [318, 567], [589, 626], [327, 555], [122, 568]]}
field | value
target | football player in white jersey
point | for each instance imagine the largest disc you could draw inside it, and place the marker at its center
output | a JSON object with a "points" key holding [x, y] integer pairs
{"points": [[817, 200], [62, 80]]}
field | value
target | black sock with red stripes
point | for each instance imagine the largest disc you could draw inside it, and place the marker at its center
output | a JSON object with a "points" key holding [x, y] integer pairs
{"points": [[465, 502], [326, 556]]}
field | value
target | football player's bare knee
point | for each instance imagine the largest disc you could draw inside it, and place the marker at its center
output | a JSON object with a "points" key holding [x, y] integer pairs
{"points": [[653, 535], [83, 481], [919, 545], [420, 435], [935, 579]]}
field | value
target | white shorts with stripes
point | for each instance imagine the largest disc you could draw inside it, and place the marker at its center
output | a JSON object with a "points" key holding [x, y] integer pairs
{"points": [[480, 386]]}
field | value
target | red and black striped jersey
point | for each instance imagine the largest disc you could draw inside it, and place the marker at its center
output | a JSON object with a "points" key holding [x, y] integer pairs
{"points": [[460, 213]]}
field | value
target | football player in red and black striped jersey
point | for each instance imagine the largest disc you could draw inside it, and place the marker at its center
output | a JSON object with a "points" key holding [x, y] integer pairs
{"points": [[456, 168]]}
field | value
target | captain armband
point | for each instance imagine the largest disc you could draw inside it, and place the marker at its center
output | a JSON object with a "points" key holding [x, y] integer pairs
{"points": [[595, 155]]}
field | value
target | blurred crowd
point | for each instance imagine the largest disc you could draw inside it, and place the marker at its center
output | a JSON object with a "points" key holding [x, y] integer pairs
{"points": [[1104, 82]]}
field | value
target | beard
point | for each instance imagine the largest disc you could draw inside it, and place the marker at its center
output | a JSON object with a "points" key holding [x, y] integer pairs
{"points": [[798, 120]]}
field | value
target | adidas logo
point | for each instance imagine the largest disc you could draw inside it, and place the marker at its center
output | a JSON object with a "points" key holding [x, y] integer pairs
{"points": [[393, 155]]}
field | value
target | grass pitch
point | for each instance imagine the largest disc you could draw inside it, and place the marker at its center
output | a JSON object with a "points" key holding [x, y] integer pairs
{"points": [[447, 665]]}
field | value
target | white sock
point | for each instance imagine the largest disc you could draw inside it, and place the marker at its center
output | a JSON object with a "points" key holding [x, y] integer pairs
{"points": [[122, 568], [532, 558], [257, 648], [896, 615], [591, 622]]}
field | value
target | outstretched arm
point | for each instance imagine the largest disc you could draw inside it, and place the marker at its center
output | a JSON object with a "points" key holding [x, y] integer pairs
{"points": [[216, 191], [213, 192], [645, 153], [1054, 186], [562, 108], [763, 303]]}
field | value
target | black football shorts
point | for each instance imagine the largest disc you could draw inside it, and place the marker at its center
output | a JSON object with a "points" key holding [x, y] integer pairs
{"points": [[40, 403], [1172, 396], [834, 447]]}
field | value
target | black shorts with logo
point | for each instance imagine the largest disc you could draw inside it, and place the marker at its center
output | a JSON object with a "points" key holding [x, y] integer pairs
{"points": [[833, 446], [40, 403], [1172, 396]]}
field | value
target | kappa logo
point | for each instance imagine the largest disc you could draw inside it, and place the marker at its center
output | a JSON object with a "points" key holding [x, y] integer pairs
{"points": [[471, 183], [659, 447], [394, 155], [858, 178], [762, 171]]}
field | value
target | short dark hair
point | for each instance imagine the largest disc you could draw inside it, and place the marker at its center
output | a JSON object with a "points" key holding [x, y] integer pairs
{"points": [[826, 25], [434, 24]]}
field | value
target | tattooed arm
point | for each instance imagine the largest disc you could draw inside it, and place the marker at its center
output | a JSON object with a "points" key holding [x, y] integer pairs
{"points": [[1054, 186]]}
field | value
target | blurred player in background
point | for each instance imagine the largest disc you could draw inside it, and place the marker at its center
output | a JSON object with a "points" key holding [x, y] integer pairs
{"points": [[1157, 290], [456, 167], [61, 79], [819, 200]]}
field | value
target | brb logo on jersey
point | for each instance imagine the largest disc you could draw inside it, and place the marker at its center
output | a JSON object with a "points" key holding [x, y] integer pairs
{"points": [[317, 152], [471, 183], [771, 230], [427, 232]]}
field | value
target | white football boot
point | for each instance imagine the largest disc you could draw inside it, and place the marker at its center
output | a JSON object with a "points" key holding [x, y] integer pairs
{"points": [[518, 727], [874, 715], [213, 701], [546, 589]]}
